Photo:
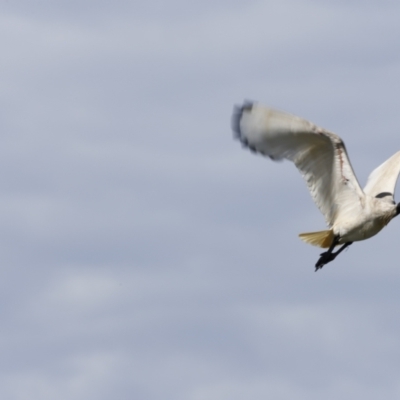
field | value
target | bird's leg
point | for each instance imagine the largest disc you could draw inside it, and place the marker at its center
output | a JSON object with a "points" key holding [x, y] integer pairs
{"points": [[329, 256], [342, 248]]}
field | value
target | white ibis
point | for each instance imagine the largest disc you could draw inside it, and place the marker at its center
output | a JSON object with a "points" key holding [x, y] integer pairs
{"points": [[352, 214]]}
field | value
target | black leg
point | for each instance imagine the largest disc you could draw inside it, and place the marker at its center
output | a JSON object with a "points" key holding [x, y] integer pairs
{"points": [[342, 248], [329, 256]]}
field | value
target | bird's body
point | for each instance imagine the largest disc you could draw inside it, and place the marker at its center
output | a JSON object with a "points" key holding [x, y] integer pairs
{"points": [[373, 216], [352, 214]]}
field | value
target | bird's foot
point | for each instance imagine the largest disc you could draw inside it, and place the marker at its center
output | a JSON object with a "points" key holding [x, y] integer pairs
{"points": [[325, 258]]}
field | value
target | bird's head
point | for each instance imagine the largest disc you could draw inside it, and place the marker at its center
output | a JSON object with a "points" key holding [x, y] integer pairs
{"points": [[397, 209]]}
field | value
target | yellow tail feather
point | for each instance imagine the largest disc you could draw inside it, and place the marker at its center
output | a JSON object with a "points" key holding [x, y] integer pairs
{"points": [[322, 238]]}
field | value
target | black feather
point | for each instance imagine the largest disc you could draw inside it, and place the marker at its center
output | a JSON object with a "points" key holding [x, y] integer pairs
{"points": [[236, 118]]}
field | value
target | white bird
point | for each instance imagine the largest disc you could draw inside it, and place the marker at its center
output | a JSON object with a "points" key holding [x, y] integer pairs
{"points": [[352, 214]]}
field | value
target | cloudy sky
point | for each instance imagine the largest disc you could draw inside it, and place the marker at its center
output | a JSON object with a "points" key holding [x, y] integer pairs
{"points": [[144, 254]]}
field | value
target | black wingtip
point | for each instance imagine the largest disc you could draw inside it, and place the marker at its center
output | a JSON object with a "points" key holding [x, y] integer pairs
{"points": [[237, 116]]}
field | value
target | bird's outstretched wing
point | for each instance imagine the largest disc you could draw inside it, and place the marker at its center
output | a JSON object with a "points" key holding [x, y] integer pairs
{"points": [[320, 155], [382, 180]]}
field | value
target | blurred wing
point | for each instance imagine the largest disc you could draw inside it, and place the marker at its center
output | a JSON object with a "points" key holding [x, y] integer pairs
{"points": [[320, 155], [382, 181]]}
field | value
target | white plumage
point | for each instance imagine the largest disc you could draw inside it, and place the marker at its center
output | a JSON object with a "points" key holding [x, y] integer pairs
{"points": [[352, 214]]}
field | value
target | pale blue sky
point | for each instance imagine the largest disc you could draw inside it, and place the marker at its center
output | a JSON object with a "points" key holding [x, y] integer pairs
{"points": [[144, 255]]}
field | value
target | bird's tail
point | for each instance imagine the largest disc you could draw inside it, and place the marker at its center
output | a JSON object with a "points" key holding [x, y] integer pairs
{"points": [[321, 239]]}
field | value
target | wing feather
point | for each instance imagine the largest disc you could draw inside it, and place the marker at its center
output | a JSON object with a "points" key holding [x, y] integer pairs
{"points": [[319, 155], [382, 180]]}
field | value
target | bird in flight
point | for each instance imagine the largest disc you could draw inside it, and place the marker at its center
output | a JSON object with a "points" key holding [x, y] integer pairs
{"points": [[351, 213]]}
